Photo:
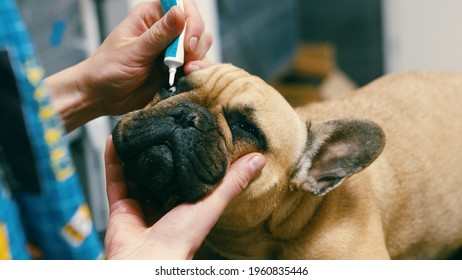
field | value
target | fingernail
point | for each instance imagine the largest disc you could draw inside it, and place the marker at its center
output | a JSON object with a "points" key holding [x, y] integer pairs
{"points": [[170, 18], [195, 67], [193, 43], [257, 162]]}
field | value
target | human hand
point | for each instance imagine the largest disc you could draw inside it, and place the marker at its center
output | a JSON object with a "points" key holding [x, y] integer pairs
{"points": [[180, 232], [127, 69]]}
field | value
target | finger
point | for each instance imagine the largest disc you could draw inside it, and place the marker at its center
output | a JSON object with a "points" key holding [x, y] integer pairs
{"points": [[195, 65], [236, 180], [203, 46], [128, 211], [199, 218], [194, 26], [148, 12], [116, 186], [161, 34], [125, 220]]}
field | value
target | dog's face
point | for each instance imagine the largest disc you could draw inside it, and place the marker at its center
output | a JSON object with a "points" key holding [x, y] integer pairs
{"points": [[180, 146]]}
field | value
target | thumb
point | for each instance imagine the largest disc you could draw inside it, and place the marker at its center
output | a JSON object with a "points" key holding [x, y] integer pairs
{"points": [[161, 34], [237, 178], [198, 218]]}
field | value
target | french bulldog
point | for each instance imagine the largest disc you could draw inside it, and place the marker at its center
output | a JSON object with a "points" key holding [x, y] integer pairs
{"points": [[375, 174]]}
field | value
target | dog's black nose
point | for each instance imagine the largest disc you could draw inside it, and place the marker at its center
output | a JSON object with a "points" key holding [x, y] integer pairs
{"points": [[190, 115], [185, 117]]}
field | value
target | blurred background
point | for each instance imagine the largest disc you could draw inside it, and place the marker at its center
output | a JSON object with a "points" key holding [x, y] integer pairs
{"points": [[308, 49]]}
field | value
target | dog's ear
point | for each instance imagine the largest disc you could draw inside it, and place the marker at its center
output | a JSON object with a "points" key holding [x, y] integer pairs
{"points": [[335, 150]]}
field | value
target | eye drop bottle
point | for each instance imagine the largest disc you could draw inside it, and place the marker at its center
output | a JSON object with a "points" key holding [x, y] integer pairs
{"points": [[174, 55]]}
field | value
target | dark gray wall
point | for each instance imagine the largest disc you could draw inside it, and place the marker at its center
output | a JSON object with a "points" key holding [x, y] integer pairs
{"points": [[354, 27], [259, 35]]}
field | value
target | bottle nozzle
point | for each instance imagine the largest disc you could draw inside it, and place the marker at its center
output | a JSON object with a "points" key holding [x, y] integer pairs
{"points": [[171, 77]]}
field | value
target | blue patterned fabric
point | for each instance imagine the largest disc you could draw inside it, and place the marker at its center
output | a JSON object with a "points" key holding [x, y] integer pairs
{"points": [[12, 239], [56, 220]]}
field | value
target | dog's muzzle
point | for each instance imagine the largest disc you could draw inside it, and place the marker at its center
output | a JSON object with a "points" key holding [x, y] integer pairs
{"points": [[174, 154]]}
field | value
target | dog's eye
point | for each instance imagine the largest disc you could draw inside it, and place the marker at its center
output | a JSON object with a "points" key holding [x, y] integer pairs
{"points": [[244, 129], [165, 93], [180, 87]]}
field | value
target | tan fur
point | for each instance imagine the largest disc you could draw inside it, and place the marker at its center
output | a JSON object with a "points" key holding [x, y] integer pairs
{"points": [[406, 205], [414, 189]]}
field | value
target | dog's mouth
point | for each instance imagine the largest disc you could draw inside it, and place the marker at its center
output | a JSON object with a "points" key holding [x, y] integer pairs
{"points": [[153, 170], [173, 155]]}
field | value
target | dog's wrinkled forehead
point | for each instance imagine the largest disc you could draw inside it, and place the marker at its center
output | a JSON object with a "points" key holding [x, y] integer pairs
{"points": [[218, 89], [217, 84], [218, 78]]}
